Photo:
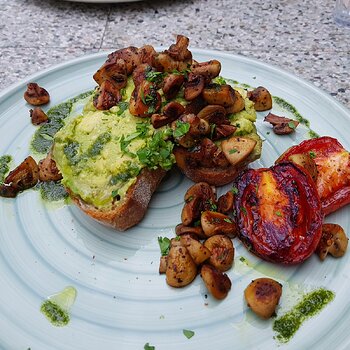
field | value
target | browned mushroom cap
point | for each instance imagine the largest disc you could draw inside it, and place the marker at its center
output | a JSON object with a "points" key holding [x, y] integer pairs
{"points": [[38, 116], [145, 100], [195, 231], [238, 105], [130, 55], [179, 51], [107, 96], [171, 112], [181, 269], [197, 198], [163, 263], [194, 86], [333, 241], [217, 283], [225, 203], [223, 95], [26, 175], [48, 170], [209, 70], [172, 84], [222, 252], [147, 54], [213, 114], [214, 223], [36, 95], [197, 250], [139, 73], [236, 149], [115, 71], [261, 97], [223, 130], [262, 296]]}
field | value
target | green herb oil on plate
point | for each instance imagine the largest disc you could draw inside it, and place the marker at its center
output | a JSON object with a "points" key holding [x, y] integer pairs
{"points": [[57, 306]]}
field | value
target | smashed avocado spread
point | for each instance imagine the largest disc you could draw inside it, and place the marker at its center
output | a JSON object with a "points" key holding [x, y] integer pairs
{"points": [[100, 153]]}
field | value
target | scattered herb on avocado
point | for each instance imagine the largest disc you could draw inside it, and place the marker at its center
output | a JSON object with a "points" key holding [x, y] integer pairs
{"points": [[71, 150], [123, 106], [181, 129], [96, 148], [188, 333], [54, 314], [148, 347], [164, 245]]}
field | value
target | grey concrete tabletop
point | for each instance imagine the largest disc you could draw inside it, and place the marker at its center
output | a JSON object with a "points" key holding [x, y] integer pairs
{"points": [[296, 35]]}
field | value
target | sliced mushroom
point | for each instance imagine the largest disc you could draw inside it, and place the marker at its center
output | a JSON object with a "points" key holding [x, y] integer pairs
{"points": [[147, 54], [261, 97], [171, 112], [238, 105], [209, 70], [130, 55], [236, 149], [25, 176], [214, 223], [281, 125], [115, 71], [107, 96], [333, 241], [222, 252], [222, 131], [225, 203], [181, 269], [38, 116], [172, 84], [48, 170], [217, 283], [306, 162], [213, 114], [194, 86], [145, 100], [197, 250], [223, 95], [140, 72], [196, 231], [36, 95], [262, 296], [196, 199]]}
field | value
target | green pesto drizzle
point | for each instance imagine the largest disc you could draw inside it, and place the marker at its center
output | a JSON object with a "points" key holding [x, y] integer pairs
{"points": [[52, 191], [56, 307], [312, 303], [43, 137], [4, 166]]}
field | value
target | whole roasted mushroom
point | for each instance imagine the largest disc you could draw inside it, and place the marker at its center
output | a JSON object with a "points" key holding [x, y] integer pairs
{"points": [[209, 70], [107, 96], [223, 95], [261, 97], [36, 95], [115, 71], [38, 116], [48, 170], [172, 84], [194, 86]]}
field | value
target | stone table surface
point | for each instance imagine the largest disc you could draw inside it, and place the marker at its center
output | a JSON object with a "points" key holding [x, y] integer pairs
{"points": [[296, 35]]}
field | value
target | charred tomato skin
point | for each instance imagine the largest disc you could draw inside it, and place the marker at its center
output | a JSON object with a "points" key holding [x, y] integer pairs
{"points": [[278, 213], [333, 166]]}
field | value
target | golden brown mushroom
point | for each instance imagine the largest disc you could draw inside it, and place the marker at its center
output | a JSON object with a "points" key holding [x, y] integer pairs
{"points": [[225, 203], [172, 84], [262, 296], [25, 176], [38, 116], [197, 250], [217, 282], [209, 70], [223, 95], [238, 105], [193, 86], [196, 231], [36, 95], [115, 71], [333, 241], [214, 223], [261, 97], [222, 252], [236, 149], [107, 97], [48, 170]]}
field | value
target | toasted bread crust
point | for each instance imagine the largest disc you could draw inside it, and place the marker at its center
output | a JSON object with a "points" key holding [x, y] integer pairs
{"points": [[133, 206]]}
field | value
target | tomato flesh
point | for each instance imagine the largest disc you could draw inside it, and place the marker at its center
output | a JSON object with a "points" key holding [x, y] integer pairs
{"points": [[278, 213], [333, 168]]}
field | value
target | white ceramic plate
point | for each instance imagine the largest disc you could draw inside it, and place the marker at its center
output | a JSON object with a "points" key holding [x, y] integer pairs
{"points": [[122, 301]]}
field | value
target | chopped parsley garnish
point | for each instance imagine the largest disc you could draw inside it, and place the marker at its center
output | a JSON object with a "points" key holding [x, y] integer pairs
{"points": [[154, 77], [278, 213], [228, 220], [188, 333], [212, 130], [242, 259], [233, 150], [96, 148], [197, 223], [181, 129], [149, 347], [234, 190], [123, 106], [213, 206], [291, 125], [312, 155], [220, 80], [164, 245], [244, 210], [115, 194]]}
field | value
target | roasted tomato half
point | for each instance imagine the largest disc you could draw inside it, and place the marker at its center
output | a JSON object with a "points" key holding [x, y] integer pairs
{"points": [[278, 213], [333, 170]]}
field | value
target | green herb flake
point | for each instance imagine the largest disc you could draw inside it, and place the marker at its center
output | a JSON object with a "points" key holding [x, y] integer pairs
{"points": [[164, 245], [148, 347], [4, 166], [71, 151], [212, 130], [154, 77], [97, 147], [244, 210], [55, 314], [233, 150], [220, 80], [242, 259], [115, 194], [312, 155], [311, 304], [181, 129], [213, 206], [188, 333], [189, 199], [291, 125], [278, 213], [197, 223], [234, 190], [123, 106], [228, 220]]}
